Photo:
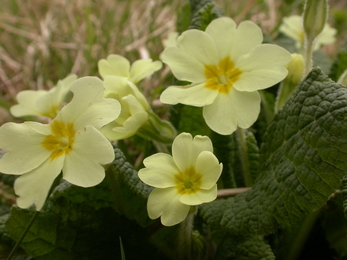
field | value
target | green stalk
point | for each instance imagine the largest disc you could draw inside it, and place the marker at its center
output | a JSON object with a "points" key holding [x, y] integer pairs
{"points": [[243, 152], [185, 238], [19, 241], [308, 56], [302, 236], [32, 220]]}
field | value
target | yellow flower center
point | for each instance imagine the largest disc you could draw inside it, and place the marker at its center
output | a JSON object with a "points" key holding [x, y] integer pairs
{"points": [[223, 76], [62, 139], [188, 182], [53, 111]]}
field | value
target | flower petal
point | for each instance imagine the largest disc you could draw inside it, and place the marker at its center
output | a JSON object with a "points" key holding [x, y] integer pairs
{"points": [[43, 129], [194, 95], [185, 149], [182, 151], [292, 27], [231, 41], [87, 106], [165, 203], [222, 31], [141, 69], [51, 103], [82, 165], [327, 36], [208, 166], [117, 88], [114, 65], [21, 143], [27, 103], [232, 110], [160, 171], [248, 35], [33, 187], [199, 197], [199, 47], [114, 131], [257, 74]]}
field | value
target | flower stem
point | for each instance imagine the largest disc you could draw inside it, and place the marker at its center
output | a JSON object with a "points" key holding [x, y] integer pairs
{"points": [[243, 152], [185, 238], [33, 218], [224, 193], [302, 236], [308, 56]]}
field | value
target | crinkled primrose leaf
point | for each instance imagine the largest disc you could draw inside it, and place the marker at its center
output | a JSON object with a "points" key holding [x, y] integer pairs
{"points": [[302, 159], [248, 247]]}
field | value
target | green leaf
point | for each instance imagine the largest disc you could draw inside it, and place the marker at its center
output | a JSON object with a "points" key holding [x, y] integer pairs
{"points": [[40, 240], [203, 13], [224, 149], [344, 194], [79, 223], [340, 63], [302, 159], [183, 18], [266, 114], [212, 212], [129, 192], [188, 119], [244, 157], [248, 247], [8, 179], [335, 224], [253, 155], [322, 60], [6, 243]]}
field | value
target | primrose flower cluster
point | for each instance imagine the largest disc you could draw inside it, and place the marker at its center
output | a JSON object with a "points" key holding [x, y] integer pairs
{"points": [[71, 143], [226, 65]]}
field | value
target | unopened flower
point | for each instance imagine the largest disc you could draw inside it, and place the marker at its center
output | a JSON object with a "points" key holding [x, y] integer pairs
{"points": [[134, 112], [136, 115], [42, 102], [226, 65], [314, 18], [117, 65], [71, 143], [187, 178], [293, 27], [295, 73], [120, 79]]}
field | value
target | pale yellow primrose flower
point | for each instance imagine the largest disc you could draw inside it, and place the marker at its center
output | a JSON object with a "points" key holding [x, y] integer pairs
{"points": [[42, 102], [117, 65], [71, 143], [293, 27], [226, 65], [187, 178], [134, 112]]}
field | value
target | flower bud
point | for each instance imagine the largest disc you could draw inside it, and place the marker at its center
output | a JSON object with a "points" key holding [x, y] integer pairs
{"points": [[295, 73], [315, 17], [295, 68]]}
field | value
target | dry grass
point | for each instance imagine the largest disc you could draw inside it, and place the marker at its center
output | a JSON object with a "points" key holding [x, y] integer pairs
{"points": [[43, 41]]}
